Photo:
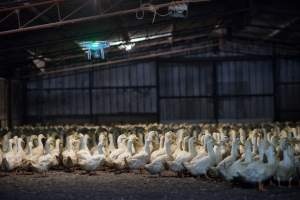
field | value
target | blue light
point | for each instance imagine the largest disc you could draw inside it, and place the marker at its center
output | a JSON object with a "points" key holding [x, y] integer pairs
{"points": [[94, 49]]}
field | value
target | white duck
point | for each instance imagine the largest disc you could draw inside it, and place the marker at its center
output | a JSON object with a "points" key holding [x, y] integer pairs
{"points": [[240, 164], [122, 139], [184, 156], [258, 171], [120, 162], [38, 151], [43, 163], [158, 164], [200, 166], [12, 159], [69, 157], [286, 170], [225, 164], [86, 161], [139, 160], [55, 152], [159, 151]]}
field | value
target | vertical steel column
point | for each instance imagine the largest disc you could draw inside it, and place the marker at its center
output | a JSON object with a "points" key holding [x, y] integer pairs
{"points": [[9, 104], [91, 84], [215, 92], [275, 84], [157, 90], [25, 104]]}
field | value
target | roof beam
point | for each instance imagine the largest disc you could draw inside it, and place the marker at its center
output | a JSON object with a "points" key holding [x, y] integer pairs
{"points": [[89, 18]]}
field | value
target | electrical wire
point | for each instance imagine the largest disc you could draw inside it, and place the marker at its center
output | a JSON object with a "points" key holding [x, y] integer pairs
{"points": [[152, 8]]}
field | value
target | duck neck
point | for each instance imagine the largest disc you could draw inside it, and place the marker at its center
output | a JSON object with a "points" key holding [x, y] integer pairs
{"points": [[192, 149], [57, 145], [10, 148], [147, 147], [83, 143], [68, 144], [254, 143], [161, 142], [40, 141], [29, 150], [248, 154], [271, 158], [287, 160], [129, 147], [234, 149], [179, 144], [168, 147], [261, 152], [210, 149], [47, 148], [100, 149], [19, 146], [111, 141]]}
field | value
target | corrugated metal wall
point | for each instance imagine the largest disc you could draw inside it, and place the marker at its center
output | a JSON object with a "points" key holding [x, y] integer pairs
{"points": [[238, 90], [245, 90], [186, 91], [117, 93], [288, 86]]}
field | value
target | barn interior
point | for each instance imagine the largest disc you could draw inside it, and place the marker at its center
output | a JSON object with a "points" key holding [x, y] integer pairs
{"points": [[97, 66]]}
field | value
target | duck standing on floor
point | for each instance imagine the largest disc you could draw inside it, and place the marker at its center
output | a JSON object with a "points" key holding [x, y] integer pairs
{"points": [[184, 156], [120, 162], [43, 163], [157, 166], [12, 159], [200, 167], [39, 150], [286, 170], [258, 171], [69, 157], [225, 164], [139, 160], [160, 150], [86, 160]]}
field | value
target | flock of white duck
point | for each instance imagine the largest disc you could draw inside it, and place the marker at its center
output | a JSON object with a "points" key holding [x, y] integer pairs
{"points": [[240, 152]]}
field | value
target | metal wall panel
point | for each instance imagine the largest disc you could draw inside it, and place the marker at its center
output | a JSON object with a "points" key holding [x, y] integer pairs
{"points": [[186, 91], [245, 90], [115, 90], [245, 77], [195, 109], [193, 91], [288, 89], [246, 108]]}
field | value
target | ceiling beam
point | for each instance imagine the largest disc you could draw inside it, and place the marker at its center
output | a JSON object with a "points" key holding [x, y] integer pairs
{"points": [[130, 59], [95, 17]]}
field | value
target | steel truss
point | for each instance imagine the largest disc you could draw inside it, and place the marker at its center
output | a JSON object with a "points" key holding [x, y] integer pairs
{"points": [[23, 25]]}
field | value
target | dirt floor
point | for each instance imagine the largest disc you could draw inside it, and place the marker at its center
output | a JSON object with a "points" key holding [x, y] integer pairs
{"points": [[108, 185]]}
